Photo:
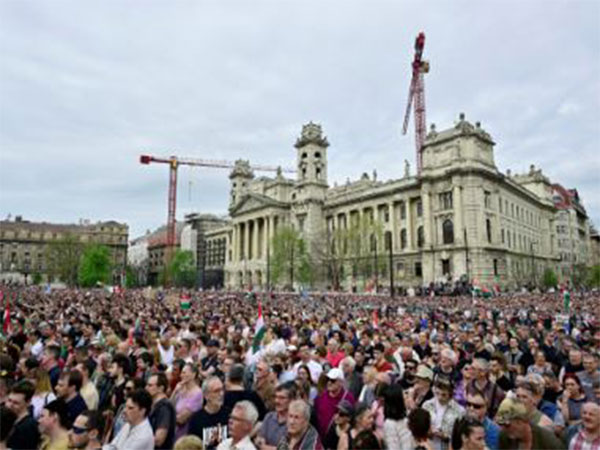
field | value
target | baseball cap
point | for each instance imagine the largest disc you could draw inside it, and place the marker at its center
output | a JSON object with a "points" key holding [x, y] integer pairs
{"points": [[335, 374], [511, 409], [424, 372]]}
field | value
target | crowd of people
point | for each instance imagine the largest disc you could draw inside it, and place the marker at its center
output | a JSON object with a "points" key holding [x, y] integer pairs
{"points": [[134, 370]]}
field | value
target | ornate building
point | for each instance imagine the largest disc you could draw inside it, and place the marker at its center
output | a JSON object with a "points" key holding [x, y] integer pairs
{"points": [[24, 244], [461, 218]]}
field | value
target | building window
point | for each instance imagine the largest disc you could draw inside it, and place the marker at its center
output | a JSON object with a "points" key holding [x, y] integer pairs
{"points": [[419, 208], [487, 199], [386, 216], [495, 267], [402, 210], [420, 237], [500, 205], [502, 234], [445, 267], [488, 229], [403, 238], [388, 240], [445, 200], [373, 242], [448, 231], [418, 270]]}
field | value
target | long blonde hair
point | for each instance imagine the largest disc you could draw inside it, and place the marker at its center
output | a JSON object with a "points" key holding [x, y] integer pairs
{"points": [[42, 381]]}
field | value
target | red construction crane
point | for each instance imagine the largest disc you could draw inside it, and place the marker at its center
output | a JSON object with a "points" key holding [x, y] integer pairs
{"points": [[417, 93], [174, 162]]}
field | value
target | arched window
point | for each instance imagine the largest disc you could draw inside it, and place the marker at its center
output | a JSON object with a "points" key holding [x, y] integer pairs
{"points": [[420, 236], [388, 240], [304, 155], [373, 243], [448, 231], [403, 241], [488, 229], [317, 155]]}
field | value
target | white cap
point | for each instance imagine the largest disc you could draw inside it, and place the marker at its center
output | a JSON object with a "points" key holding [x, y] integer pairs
{"points": [[335, 374]]}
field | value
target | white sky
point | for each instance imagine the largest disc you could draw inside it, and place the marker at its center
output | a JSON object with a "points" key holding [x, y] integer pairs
{"points": [[86, 87]]}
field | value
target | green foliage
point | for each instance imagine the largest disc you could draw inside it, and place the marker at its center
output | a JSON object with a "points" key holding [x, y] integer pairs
{"points": [[36, 278], [289, 258], [549, 278], [96, 266], [131, 278], [63, 257], [594, 276], [181, 271]]}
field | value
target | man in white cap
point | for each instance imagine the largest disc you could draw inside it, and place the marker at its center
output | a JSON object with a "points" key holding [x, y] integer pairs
{"points": [[326, 403]]}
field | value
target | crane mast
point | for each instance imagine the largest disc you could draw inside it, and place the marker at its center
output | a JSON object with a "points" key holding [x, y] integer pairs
{"points": [[416, 95]]}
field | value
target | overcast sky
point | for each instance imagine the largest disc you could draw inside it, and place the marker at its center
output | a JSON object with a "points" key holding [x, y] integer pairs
{"points": [[86, 87]]}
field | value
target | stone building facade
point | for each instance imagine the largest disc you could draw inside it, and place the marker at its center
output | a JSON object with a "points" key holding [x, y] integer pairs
{"points": [[460, 218], [23, 244]]}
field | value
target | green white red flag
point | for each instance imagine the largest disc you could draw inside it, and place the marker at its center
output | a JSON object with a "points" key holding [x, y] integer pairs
{"points": [[259, 330]]}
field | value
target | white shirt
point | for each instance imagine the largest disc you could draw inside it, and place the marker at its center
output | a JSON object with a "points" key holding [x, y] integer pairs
{"points": [[139, 437], [37, 349], [166, 355], [244, 444]]}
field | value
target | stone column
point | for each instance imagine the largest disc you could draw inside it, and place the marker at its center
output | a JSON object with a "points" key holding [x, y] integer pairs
{"points": [[393, 230], [427, 219], [265, 237], [255, 231], [459, 236], [246, 240], [409, 225]]}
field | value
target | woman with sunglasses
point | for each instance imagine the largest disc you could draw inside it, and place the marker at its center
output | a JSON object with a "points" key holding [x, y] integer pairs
{"points": [[341, 425]]}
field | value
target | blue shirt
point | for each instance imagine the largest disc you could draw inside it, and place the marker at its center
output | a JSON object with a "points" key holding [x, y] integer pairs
{"points": [[492, 433]]}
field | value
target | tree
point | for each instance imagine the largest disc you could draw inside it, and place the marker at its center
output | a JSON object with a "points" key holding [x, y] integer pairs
{"points": [[36, 278], [63, 257], [549, 278], [181, 271], [289, 258], [96, 266], [594, 276], [362, 245]]}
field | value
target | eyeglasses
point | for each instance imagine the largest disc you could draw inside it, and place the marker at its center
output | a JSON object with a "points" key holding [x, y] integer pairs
{"points": [[475, 405], [129, 388], [78, 430]]}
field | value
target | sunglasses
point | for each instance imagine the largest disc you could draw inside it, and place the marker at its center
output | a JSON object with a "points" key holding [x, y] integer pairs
{"points": [[78, 430], [475, 405]]}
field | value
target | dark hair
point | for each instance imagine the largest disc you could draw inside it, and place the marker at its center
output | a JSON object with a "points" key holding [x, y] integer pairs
{"points": [[573, 377], [147, 358], [419, 423], [476, 392], [32, 363], [393, 407], [500, 358], [304, 366], [7, 419], [25, 388], [74, 378], [122, 361], [366, 440], [445, 384], [142, 399], [359, 409], [89, 366], [95, 421], [463, 427], [53, 350], [59, 407], [290, 387], [161, 380], [236, 374]]}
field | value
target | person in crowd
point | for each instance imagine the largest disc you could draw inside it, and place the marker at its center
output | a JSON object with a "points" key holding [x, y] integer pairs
{"points": [[112, 391], [210, 363], [444, 412], [43, 391], [591, 373], [367, 393], [301, 435], [380, 363], [210, 423], [498, 372], [187, 398], [53, 424], [189, 442], [588, 436], [306, 360], [68, 389], [526, 393], [447, 366], [264, 383], [7, 420], [326, 403], [572, 399], [517, 432], [303, 377], [353, 379], [419, 424], [241, 422], [334, 353], [573, 365], [88, 390], [514, 359], [362, 421], [468, 434], [144, 364], [395, 427], [274, 425], [408, 375], [87, 430], [235, 391], [162, 416], [540, 365], [421, 390], [25, 434], [493, 393], [342, 423], [49, 362], [476, 408], [137, 432]]}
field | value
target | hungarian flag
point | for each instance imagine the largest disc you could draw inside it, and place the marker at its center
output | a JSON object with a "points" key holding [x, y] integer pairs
{"points": [[259, 330], [375, 319], [6, 322], [185, 301]]}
